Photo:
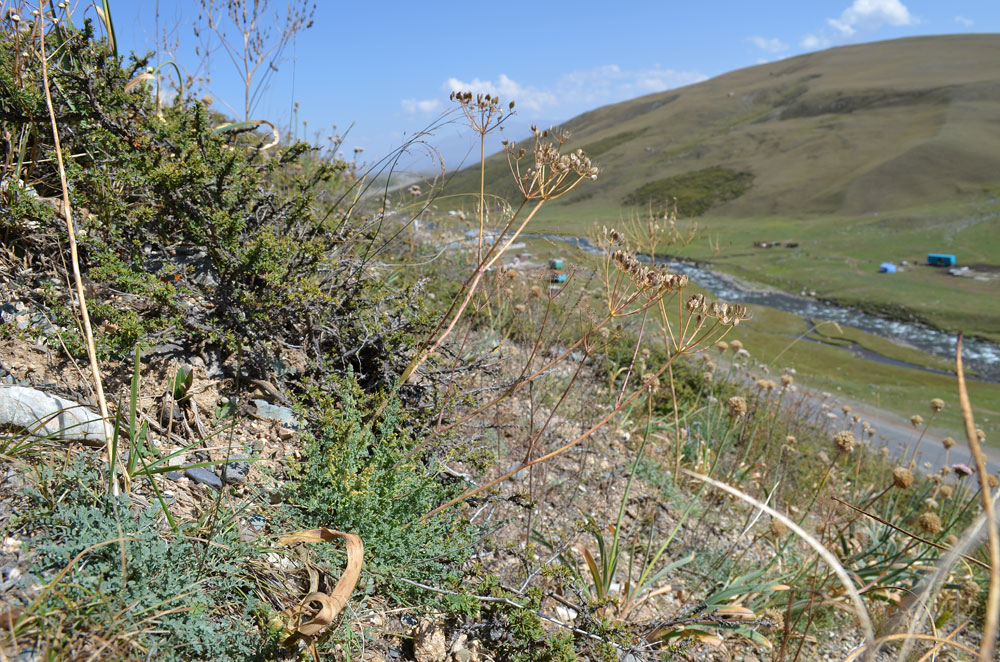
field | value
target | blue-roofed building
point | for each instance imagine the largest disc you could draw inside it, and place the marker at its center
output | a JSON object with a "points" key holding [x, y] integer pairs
{"points": [[941, 260]]}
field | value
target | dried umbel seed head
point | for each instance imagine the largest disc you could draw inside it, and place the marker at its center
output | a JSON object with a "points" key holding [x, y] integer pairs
{"points": [[980, 435], [536, 291], [790, 440], [855, 419], [945, 470], [992, 481], [696, 303], [843, 441], [707, 377], [737, 407], [722, 346], [945, 491], [970, 589], [937, 404], [916, 420], [651, 382], [902, 478], [735, 345], [778, 528], [846, 409], [884, 452], [947, 442], [929, 523], [521, 308], [614, 236], [786, 380], [951, 540]]}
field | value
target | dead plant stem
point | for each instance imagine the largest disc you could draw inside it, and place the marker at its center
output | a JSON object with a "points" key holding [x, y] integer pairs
{"points": [[75, 260]]}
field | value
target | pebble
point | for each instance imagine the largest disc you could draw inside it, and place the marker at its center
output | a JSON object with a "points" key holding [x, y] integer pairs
{"points": [[283, 415], [430, 643], [173, 475], [235, 472], [204, 476]]}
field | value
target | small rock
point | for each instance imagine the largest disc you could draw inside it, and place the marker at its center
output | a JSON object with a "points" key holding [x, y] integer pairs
{"points": [[285, 434], [258, 522], [171, 416], [283, 415], [173, 475], [429, 643], [204, 476], [235, 472]]}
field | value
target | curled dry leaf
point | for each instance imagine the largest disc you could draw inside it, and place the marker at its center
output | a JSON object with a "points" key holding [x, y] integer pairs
{"points": [[330, 604]]}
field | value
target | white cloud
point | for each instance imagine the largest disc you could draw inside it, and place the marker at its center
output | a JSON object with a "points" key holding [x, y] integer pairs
{"points": [[863, 16], [579, 90], [773, 45], [964, 22], [869, 15], [813, 42], [414, 106]]}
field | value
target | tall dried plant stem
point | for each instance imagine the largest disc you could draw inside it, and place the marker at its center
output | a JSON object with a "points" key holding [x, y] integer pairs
{"points": [[993, 600], [75, 259]]}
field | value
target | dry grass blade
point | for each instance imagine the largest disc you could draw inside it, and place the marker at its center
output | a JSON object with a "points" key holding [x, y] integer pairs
{"points": [[330, 604], [824, 553], [941, 641], [993, 600], [144, 76], [68, 211]]}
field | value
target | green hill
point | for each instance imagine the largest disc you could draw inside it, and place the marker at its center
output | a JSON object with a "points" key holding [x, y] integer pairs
{"points": [[850, 130]]}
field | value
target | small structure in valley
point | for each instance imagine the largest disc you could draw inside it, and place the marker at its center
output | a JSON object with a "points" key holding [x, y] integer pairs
{"points": [[941, 260], [887, 268]]}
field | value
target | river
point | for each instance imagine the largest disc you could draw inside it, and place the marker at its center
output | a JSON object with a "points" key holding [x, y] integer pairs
{"points": [[979, 356]]}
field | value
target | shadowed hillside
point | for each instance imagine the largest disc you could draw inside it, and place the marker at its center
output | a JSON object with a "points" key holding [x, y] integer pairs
{"points": [[855, 129]]}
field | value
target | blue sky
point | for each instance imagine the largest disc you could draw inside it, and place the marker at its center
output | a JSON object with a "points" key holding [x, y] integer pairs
{"points": [[388, 67]]}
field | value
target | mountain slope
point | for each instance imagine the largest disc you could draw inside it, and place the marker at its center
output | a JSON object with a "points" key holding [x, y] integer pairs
{"points": [[855, 129]]}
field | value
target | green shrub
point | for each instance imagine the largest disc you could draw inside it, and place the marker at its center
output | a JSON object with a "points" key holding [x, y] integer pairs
{"points": [[696, 192], [211, 237], [355, 477]]}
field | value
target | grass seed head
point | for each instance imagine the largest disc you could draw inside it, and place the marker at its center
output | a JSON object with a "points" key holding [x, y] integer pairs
{"points": [[930, 523], [844, 441], [737, 407], [902, 478]]}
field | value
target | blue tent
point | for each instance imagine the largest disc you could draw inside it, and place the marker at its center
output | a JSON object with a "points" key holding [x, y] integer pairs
{"points": [[887, 268]]}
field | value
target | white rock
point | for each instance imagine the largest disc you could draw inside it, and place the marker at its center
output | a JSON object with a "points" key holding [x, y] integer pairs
{"points": [[48, 416]]}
